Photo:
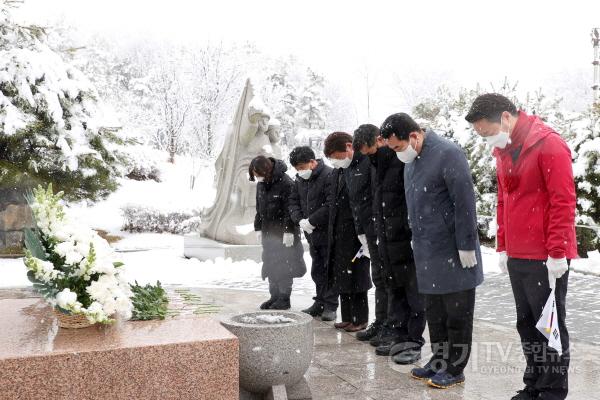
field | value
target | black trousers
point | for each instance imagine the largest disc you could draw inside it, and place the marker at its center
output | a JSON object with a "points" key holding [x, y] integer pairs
{"points": [[325, 296], [378, 277], [450, 319], [354, 307], [406, 312], [546, 371], [281, 288]]}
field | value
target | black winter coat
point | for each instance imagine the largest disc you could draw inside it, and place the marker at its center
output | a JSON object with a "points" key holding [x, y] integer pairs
{"points": [[359, 176], [273, 220], [309, 200], [344, 275], [391, 215]]}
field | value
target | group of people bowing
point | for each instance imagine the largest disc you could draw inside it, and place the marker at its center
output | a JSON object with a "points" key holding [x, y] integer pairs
{"points": [[397, 210]]}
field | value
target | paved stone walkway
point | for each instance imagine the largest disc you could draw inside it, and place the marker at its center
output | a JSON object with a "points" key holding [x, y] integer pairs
{"points": [[495, 301], [345, 369]]}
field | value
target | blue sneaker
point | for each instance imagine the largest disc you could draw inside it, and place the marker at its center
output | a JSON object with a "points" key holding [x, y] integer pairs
{"points": [[445, 380], [423, 374]]}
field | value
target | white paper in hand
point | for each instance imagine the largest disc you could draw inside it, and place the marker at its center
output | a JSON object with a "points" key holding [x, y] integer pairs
{"points": [[361, 253], [548, 324]]}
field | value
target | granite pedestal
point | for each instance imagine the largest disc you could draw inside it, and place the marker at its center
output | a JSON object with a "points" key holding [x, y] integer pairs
{"points": [[181, 358]]}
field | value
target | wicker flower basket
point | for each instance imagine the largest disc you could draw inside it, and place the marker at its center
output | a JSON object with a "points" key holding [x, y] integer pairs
{"points": [[71, 321]]}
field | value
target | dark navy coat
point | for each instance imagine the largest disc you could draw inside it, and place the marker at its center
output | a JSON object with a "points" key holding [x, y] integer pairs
{"points": [[441, 206]]}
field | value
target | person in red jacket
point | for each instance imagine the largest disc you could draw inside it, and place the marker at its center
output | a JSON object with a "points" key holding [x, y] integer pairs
{"points": [[536, 230]]}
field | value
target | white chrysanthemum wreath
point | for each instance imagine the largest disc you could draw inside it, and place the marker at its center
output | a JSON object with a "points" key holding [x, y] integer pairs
{"points": [[72, 266]]}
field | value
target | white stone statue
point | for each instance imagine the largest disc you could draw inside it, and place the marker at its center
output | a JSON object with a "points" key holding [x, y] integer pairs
{"points": [[252, 132]]}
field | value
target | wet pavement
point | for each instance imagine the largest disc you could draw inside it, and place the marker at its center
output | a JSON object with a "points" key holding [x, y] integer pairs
{"points": [[494, 302], [343, 368]]}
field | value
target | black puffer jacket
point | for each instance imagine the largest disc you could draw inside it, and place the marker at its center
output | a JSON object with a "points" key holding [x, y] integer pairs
{"points": [[344, 275], [359, 177], [391, 215], [273, 220], [309, 200]]}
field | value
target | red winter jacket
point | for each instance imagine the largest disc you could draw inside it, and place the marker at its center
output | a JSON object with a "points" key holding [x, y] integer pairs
{"points": [[536, 194]]}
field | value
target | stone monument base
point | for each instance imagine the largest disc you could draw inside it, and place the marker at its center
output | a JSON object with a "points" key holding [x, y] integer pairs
{"points": [[178, 358], [196, 246]]}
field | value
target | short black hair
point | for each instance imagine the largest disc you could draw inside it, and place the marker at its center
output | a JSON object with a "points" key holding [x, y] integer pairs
{"points": [[301, 155], [365, 135], [399, 125], [336, 141], [490, 106]]}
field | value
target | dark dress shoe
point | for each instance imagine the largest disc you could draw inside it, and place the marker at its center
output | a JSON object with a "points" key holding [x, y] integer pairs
{"points": [[328, 315], [526, 394], [409, 356], [280, 304], [315, 310], [341, 325], [267, 304], [370, 332], [355, 328]]}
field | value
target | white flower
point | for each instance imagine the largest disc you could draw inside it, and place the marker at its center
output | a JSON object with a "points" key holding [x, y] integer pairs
{"points": [[66, 299]]}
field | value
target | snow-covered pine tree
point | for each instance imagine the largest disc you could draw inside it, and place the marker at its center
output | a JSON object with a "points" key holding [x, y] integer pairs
{"points": [[282, 98], [586, 147], [313, 105], [51, 129]]}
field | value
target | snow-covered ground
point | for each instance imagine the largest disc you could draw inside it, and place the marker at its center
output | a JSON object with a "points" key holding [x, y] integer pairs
{"points": [[165, 263], [173, 193]]}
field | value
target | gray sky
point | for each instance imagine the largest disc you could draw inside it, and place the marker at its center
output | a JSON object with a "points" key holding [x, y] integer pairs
{"points": [[418, 44]]}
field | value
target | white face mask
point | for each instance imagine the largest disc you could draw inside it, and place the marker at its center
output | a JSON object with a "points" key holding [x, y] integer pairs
{"points": [[259, 179], [345, 163], [408, 155], [499, 140], [305, 174]]}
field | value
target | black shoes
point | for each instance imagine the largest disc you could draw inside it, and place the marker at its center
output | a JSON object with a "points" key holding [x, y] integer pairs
{"points": [[267, 304], [328, 315], [408, 356], [371, 332], [281, 304], [315, 310], [384, 336], [526, 394]]}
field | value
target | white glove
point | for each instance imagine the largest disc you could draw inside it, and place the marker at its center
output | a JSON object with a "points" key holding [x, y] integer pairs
{"points": [[288, 239], [363, 241], [259, 236], [556, 268], [306, 226], [366, 251], [503, 262], [365, 245], [468, 258]]}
